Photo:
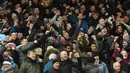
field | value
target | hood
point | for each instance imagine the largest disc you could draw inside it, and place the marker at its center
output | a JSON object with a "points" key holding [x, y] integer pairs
{"points": [[90, 66]]}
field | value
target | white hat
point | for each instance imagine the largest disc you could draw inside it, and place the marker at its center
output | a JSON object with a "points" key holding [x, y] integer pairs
{"points": [[6, 62]]}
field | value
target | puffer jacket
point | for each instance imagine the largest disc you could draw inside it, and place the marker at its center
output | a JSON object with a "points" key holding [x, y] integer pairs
{"points": [[30, 66]]}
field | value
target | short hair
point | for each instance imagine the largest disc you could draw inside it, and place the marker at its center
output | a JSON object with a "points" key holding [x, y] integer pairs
{"points": [[116, 63], [30, 51]]}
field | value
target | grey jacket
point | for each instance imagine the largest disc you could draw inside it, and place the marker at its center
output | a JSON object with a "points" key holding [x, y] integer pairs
{"points": [[91, 68]]}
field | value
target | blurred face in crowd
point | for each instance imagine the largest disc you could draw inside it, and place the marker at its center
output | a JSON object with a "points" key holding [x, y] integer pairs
{"points": [[14, 36], [119, 29], [103, 10], [36, 11], [63, 40], [92, 8], [24, 42], [51, 40], [126, 37], [116, 45], [68, 48], [96, 58], [124, 44], [90, 30], [64, 55], [60, 18], [65, 35], [102, 21], [128, 12], [119, 14], [7, 53], [83, 7], [80, 16], [56, 65], [76, 11], [65, 18], [118, 59], [116, 66], [68, 27], [47, 3], [6, 66], [104, 31], [76, 55], [19, 9], [93, 47], [32, 55], [101, 5], [124, 53]]}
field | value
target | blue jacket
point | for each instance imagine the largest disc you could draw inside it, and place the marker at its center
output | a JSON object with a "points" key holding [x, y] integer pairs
{"points": [[48, 66], [102, 66], [84, 24]]}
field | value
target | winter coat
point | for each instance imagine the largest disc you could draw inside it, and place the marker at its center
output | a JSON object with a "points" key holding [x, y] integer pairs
{"points": [[76, 66], [14, 68], [11, 70], [52, 70], [91, 68], [48, 52], [65, 66], [125, 67], [102, 66], [22, 50], [30, 66], [47, 66]]}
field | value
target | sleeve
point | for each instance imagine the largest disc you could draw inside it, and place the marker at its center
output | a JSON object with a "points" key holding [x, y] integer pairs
{"points": [[23, 68], [127, 26]]}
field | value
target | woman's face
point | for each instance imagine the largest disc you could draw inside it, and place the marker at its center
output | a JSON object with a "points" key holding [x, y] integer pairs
{"points": [[124, 53]]}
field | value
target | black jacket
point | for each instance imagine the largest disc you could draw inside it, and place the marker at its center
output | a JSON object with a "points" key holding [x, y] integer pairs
{"points": [[66, 66], [52, 70]]}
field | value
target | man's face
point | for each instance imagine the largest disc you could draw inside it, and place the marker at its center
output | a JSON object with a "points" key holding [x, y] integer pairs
{"points": [[63, 40], [32, 55], [24, 42], [64, 55], [60, 18], [117, 67], [6, 65], [93, 47], [124, 44], [104, 31], [119, 29], [102, 21], [66, 35], [14, 36], [36, 10], [56, 65]]}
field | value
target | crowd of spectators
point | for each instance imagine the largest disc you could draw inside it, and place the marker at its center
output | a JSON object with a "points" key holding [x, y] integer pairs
{"points": [[64, 36]]}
